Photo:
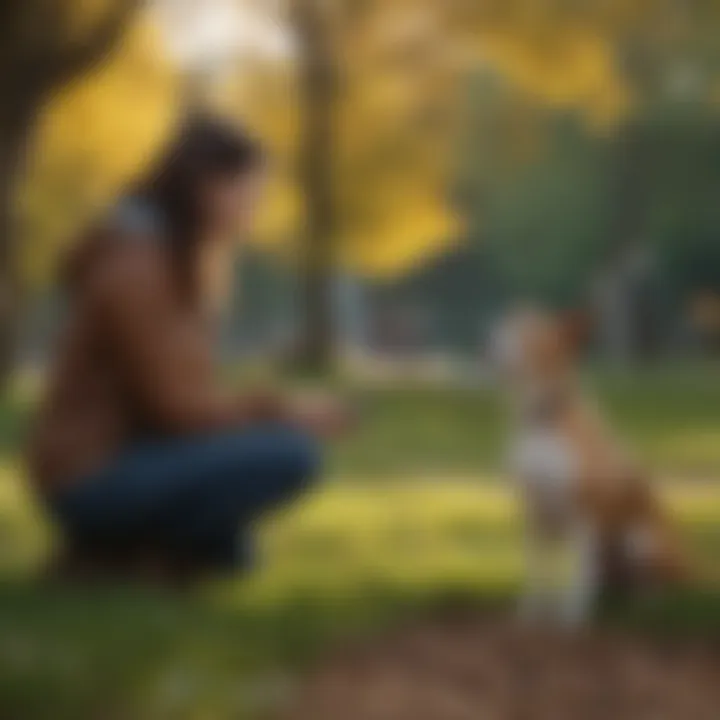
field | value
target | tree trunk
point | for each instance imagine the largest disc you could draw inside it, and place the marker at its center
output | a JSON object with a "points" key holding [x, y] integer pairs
{"points": [[625, 234], [32, 66], [12, 147], [317, 95]]}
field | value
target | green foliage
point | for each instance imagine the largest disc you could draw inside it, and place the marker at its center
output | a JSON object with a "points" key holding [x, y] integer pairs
{"points": [[683, 215], [550, 200]]}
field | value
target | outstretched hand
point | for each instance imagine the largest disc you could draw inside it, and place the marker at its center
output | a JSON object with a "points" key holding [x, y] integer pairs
{"points": [[323, 416]]}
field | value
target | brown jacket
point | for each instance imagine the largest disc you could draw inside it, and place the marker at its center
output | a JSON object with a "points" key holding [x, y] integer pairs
{"points": [[133, 361]]}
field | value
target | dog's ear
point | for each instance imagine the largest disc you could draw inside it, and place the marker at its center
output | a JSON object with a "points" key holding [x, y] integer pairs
{"points": [[578, 328]]}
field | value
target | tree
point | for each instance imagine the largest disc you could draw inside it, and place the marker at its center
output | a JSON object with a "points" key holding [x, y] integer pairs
{"points": [[357, 117], [319, 77], [378, 106], [44, 44], [367, 161], [535, 195], [93, 137]]}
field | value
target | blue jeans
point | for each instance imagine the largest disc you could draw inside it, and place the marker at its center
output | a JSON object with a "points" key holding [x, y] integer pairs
{"points": [[194, 497]]}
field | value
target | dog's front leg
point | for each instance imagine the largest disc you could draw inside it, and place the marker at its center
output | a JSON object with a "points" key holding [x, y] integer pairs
{"points": [[582, 590], [536, 598]]}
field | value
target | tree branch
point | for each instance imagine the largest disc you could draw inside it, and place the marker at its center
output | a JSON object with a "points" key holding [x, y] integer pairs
{"points": [[63, 63]]}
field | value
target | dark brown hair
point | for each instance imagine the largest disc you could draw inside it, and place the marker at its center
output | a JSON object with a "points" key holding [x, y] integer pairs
{"points": [[205, 148]]}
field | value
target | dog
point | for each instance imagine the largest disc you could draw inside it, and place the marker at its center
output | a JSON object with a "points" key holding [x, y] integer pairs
{"points": [[581, 490]]}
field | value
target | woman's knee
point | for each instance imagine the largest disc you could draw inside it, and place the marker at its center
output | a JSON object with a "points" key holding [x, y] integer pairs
{"points": [[288, 466], [268, 465], [301, 457]]}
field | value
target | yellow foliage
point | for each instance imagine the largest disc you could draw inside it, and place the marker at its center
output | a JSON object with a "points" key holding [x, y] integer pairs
{"points": [[394, 119], [390, 143], [92, 139], [401, 80], [423, 227], [573, 69]]}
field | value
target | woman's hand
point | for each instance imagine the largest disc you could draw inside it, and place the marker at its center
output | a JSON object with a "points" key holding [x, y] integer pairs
{"points": [[323, 416], [265, 407], [320, 415]]}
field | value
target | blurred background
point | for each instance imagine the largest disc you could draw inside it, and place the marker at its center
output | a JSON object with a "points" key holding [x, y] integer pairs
{"points": [[432, 162]]}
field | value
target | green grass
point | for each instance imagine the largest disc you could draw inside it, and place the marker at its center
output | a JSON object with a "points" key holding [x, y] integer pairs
{"points": [[414, 516], [670, 416], [350, 559]]}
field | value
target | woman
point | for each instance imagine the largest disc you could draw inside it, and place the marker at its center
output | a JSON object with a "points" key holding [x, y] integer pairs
{"points": [[136, 452]]}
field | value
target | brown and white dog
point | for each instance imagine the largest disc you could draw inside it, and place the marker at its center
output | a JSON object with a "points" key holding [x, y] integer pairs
{"points": [[580, 488]]}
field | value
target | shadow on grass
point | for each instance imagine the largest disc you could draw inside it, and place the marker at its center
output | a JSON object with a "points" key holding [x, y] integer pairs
{"points": [[121, 653], [129, 653]]}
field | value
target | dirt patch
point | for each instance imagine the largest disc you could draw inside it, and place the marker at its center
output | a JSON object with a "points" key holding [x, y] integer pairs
{"points": [[479, 669]]}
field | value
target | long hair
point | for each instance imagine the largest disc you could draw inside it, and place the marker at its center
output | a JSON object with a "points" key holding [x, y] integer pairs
{"points": [[205, 148]]}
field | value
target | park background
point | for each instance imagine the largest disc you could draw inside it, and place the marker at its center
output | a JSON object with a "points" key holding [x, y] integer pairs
{"points": [[432, 163]]}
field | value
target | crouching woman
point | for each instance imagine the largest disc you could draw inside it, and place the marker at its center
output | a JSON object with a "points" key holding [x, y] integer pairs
{"points": [[136, 452]]}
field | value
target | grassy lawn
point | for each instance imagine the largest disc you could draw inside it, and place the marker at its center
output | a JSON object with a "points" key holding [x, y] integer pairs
{"points": [[670, 416], [348, 560], [414, 515]]}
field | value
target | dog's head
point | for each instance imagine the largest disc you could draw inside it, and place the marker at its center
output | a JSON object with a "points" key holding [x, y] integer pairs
{"points": [[534, 347]]}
